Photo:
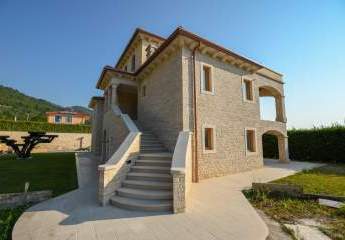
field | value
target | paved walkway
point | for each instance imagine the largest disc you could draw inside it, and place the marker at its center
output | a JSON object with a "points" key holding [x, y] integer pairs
{"points": [[217, 210]]}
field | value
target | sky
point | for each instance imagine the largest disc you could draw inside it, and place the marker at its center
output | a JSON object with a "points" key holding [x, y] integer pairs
{"points": [[56, 49]]}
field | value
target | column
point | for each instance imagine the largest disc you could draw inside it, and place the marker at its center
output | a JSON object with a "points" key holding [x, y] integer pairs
{"points": [[283, 149], [280, 109], [114, 100]]}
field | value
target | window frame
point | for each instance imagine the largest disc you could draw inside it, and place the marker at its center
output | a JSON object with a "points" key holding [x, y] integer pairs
{"points": [[59, 116], [249, 153], [244, 92], [133, 63], [202, 79], [204, 127], [69, 117]]}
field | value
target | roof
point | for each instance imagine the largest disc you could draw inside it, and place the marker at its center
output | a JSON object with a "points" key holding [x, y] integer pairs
{"points": [[181, 32], [136, 32], [94, 99], [67, 112], [111, 69]]}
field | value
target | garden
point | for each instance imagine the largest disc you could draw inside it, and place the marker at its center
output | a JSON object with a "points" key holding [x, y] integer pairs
{"points": [[43, 171], [325, 145]]}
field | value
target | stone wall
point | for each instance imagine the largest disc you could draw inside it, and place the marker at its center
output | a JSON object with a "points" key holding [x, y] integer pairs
{"points": [[16, 199], [63, 143], [229, 115], [161, 109], [115, 133]]}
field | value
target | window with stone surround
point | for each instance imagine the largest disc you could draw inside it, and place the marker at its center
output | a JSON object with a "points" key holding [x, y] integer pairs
{"points": [[208, 135], [207, 85], [250, 139], [133, 63], [248, 90]]}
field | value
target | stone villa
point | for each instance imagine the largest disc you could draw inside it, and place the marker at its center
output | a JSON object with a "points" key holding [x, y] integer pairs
{"points": [[175, 111]]}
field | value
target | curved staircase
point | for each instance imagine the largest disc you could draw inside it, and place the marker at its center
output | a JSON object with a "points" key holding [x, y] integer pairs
{"points": [[148, 185]]}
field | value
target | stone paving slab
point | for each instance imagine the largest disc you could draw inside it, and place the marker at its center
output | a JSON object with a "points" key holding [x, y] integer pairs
{"points": [[216, 210]]}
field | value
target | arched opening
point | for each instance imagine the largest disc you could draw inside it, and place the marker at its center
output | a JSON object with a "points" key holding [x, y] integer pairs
{"points": [[272, 106], [275, 146], [128, 100]]}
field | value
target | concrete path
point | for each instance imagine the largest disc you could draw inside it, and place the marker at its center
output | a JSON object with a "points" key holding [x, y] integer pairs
{"points": [[217, 210]]}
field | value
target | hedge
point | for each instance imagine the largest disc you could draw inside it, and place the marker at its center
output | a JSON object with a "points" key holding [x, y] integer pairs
{"points": [[6, 125], [324, 144]]}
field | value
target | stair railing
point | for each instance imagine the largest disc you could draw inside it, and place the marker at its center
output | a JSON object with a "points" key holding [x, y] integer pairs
{"points": [[114, 171], [181, 171]]}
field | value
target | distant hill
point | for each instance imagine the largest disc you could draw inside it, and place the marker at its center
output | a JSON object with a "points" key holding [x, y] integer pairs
{"points": [[14, 103]]}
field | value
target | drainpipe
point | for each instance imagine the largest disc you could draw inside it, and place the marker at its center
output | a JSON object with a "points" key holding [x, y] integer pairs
{"points": [[195, 146]]}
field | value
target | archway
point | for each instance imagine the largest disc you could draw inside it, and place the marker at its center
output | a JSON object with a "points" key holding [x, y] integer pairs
{"points": [[267, 92], [128, 100], [275, 146]]}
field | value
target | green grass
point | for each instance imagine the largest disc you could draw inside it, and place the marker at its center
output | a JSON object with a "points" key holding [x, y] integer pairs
{"points": [[44, 171], [8, 217], [329, 180]]}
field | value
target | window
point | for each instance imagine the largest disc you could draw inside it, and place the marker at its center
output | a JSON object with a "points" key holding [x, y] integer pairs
{"points": [[57, 119], [148, 51], [69, 119], [133, 63], [143, 91], [208, 139], [125, 69], [248, 91], [250, 140], [206, 79]]}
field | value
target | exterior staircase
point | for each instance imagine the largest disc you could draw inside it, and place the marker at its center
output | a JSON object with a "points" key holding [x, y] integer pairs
{"points": [[148, 185]]}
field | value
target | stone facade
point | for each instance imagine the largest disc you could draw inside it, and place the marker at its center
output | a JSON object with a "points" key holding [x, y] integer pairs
{"points": [[114, 133], [230, 115], [160, 110], [163, 86]]}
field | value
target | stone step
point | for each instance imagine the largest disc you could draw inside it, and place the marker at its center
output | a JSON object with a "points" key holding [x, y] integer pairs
{"points": [[158, 148], [141, 205], [150, 150], [147, 185], [148, 135], [156, 156], [163, 163], [144, 194], [151, 145], [150, 169], [149, 176]]}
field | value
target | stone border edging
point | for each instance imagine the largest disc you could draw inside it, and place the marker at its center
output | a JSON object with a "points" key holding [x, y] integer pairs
{"points": [[9, 200], [293, 191]]}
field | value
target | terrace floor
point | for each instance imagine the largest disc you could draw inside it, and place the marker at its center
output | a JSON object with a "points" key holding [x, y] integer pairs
{"points": [[216, 209]]}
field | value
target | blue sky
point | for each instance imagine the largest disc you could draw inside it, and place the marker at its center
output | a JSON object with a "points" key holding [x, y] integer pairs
{"points": [[56, 49]]}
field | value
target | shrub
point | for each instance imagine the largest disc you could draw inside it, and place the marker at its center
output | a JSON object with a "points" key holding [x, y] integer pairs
{"points": [[6, 125], [8, 217], [324, 144]]}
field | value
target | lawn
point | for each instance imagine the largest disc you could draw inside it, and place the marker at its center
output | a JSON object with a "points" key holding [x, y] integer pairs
{"points": [[329, 179], [44, 171]]}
